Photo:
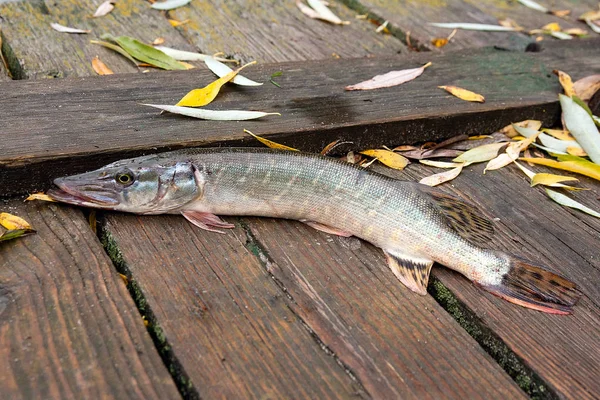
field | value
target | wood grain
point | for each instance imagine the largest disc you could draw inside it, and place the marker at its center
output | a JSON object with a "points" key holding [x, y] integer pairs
{"points": [[271, 31], [223, 315], [563, 351], [68, 326], [38, 51], [315, 109], [398, 344]]}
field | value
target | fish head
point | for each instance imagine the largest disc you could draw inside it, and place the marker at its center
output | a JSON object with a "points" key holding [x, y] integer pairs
{"points": [[146, 185]]}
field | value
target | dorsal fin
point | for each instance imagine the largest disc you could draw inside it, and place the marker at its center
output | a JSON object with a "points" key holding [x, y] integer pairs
{"points": [[465, 218], [413, 272]]}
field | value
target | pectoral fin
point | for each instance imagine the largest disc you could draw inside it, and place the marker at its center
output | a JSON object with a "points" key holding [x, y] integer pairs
{"points": [[206, 221], [325, 228], [413, 272]]}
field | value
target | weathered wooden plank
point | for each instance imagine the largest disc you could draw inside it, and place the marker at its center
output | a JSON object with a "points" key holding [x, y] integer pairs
{"points": [[398, 344], [273, 30], [563, 351], [223, 315], [69, 328], [35, 50], [40, 145]]}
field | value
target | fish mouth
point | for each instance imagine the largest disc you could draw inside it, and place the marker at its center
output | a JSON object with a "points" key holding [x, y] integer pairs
{"points": [[82, 194]]}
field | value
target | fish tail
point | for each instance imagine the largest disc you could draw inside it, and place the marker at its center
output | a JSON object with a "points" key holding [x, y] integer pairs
{"points": [[534, 287]]}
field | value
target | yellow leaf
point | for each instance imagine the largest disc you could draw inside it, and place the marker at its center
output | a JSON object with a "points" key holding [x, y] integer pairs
{"points": [[329, 147], [576, 31], [174, 23], [566, 82], [582, 166], [510, 131], [187, 65], [387, 157], [442, 177], [463, 94], [561, 13], [40, 196], [439, 42], [100, 67], [12, 222], [559, 134], [479, 137], [550, 179], [590, 15], [203, 96], [552, 27], [576, 151], [481, 153], [270, 143]]}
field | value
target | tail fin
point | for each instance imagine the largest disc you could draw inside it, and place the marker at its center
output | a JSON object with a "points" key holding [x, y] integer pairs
{"points": [[534, 287]]}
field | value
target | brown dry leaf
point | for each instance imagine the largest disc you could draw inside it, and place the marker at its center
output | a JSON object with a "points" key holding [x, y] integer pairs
{"points": [[12, 222], [388, 157], [463, 94], [39, 196], [510, 131], [174, 23], [586, 87], [420, 154], [391, 78], [442, 177], [566, 82], [560, 13], [100, 67], [158, 41], [329, 147], [104, 8], [270, 143], [404, 147]]}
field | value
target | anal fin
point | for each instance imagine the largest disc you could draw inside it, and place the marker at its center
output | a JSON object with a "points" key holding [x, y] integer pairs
{"points": [[325, 228], [206, 221], [413, 272]]}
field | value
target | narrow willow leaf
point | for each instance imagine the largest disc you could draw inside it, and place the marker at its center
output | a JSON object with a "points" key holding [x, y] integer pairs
{"points": [[463, 94], [549, 150], [220, 115], [566, 82], [440, 164], [174, 23], [67, 29], [510, 131], [582, 127], [15, 233], [576, 31], [569, 202], [325, 13], [559, 134], [221, 70], [145, 53], [181, 55], [590, 15], [169, 4], [388, 157], [530, 174], [39, 196], [330, 147], [586, 87], [533, 5], [482, 153], [576, 151], [203, 96], [581, 166], [593, 26], [560, 13], [270, 143], [104, 8], [550, 179], [10, 222], [158, 41], [561, 35], [442, 177], [473, 27], [391, 78], [512, 153], [100, 67], [383, 28], [115, 48]]}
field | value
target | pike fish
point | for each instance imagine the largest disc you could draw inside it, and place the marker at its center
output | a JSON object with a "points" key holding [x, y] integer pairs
{"points": [[414, 224]]}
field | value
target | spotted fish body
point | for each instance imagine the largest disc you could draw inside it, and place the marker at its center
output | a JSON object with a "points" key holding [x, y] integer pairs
{"points": [[414, 224]]}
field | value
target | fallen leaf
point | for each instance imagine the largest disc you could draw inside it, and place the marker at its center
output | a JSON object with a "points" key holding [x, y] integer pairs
{"points": [[440, 164], [593, 26], [181, 55], [568, 202], [215, 115], [510, 23], [169, 4], [533, 5], [566, 82], [576, 31], [158, 41], [582, 127], [391, 78], [590, 15], [100, 67], [203, 96], [174, 23], [559, 134], [512, 152], [11, 222], [551, 144], [330, 147], [530, 174], [404, 147], [576, 151], [270, 143], [15, 233], [325, 13], [586, 87], [387, 157], [442, 177], [561, 35], [463, 94], [439, 42], [569, 163], [115, 48], [552, 27], [550, 179], [473, 27], [67, 29], [145, 53], [104, 8], [560, 13], [383, 27], [482, 153], [420, 154], [39, 196], [222, 70], [510, 131]]}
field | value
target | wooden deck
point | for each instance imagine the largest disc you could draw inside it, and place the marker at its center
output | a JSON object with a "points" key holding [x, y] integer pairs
{"points": [[275, 309]]}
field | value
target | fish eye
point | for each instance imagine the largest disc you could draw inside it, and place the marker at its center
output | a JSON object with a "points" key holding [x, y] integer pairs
{"points": [[124, 178]]}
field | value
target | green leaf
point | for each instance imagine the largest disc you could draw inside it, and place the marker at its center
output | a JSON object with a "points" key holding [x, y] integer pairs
{"points": [[569, 202], [115, 48], [145, 53], [15, 233], [582, 127]]}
